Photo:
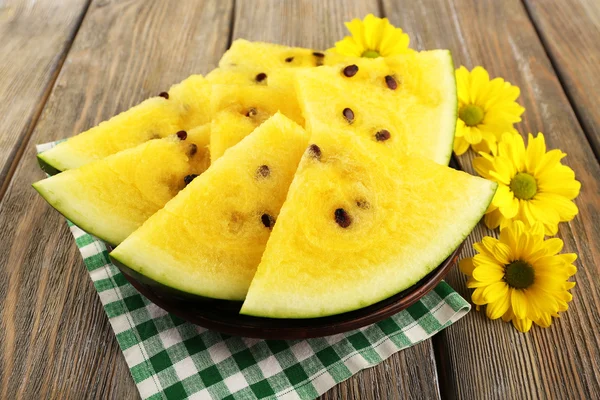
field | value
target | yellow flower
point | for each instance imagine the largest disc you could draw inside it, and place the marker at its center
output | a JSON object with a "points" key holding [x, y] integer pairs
{"points": [[533, 185], [486, 109], [521, 277], [372, 37]]}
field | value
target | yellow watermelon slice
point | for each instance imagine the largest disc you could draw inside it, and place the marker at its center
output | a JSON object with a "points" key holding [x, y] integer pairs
{"points": [[208, 240], [184, 107], [359, 225], [406, 102], [112, 197]]}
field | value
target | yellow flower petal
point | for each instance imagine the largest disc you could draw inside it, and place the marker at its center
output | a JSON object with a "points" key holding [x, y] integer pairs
{"points": [[519, 304], [503, 253], [549, 160], [466, 266], [553, 246], [493, 219], [460, 146], [488, 273], [536, 210], [494, 292], [483, 165], [522, 325], [536, 148], [510, 209], [499, 307], [479, 81], [566, 209], [513, 148], [472, 135], [545, 320], [559, 180]]}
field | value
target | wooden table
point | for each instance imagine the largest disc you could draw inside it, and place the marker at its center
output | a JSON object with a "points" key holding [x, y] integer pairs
{"points": [[67, 65]]}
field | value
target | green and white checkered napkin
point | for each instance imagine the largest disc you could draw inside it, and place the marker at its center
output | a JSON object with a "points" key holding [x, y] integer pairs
{"points": [[173, 359]]}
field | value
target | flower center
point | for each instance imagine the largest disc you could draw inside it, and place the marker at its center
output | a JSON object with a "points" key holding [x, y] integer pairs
{"points": [[519, 274], [523, 185], [471, 114], [370, 54]]}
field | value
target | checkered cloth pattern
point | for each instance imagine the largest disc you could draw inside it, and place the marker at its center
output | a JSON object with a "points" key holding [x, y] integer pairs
{"points": [[170, 358]]}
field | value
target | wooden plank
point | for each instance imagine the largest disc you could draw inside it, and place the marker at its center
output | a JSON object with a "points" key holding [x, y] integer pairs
{"points": [[35, 39], [56, 341], [319, 24], [490, 359], [569, 31]]}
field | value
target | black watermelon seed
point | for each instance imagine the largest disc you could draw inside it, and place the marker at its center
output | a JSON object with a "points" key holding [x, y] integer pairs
{"points": [[314, 151], [342, 218], [350, 70], [182, 135], [193, 149], [189, 178], [164, 94], [251, 112], [261, 77], [318, 54], [348, 114], [289, 59], [362, 203], [263, 171], [267, 220], [391, 82], [382, 135]]}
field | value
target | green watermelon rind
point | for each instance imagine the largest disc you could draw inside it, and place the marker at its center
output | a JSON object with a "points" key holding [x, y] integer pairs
{"points": [[46, 165], [68, 213], [452, 118]]}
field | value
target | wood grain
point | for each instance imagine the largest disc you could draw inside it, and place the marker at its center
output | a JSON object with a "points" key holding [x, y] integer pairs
{"points": [[56, 341], [35, 39], [319, 24], [570, 32], [489, 359]]}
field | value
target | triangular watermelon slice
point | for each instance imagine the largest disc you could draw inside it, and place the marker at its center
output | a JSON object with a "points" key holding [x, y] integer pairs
{"points": [[406, 102], [112, 197], [208, 240], [360, 225], [185, 106]]}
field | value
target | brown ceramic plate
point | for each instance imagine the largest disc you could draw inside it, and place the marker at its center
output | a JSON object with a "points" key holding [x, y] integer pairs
{"points": [[223, 316]]}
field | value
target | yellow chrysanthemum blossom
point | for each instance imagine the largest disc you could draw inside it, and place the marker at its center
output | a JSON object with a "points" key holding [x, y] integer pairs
{"points": [[521, 277], [372, 37], [533, 185], [486, 109]]}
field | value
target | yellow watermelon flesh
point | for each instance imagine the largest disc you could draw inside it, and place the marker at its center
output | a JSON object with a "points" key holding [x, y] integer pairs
{"points": [[187, 106], [237, 110], [112, 197], [405, 102], [270, 56], [208, 240], [359, 225]]}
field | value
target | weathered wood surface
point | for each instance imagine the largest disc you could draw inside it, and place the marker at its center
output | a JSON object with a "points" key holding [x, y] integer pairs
{"points": [[322, 25], [489, 359], [34, 39], [570, 31], [56, 341]]}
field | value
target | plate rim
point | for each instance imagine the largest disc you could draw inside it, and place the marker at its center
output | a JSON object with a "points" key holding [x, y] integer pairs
{"points": [[275, 329]]}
